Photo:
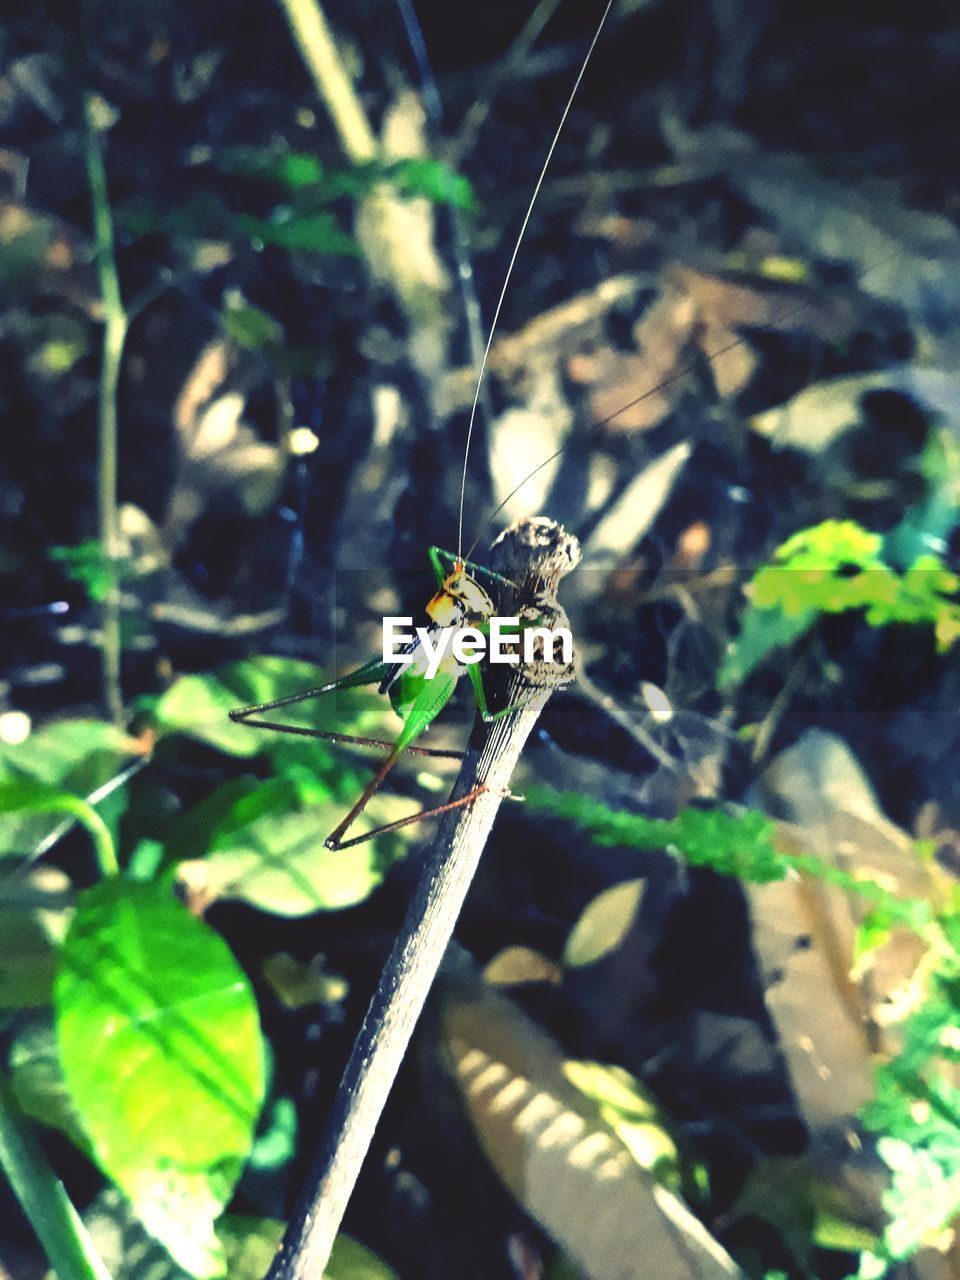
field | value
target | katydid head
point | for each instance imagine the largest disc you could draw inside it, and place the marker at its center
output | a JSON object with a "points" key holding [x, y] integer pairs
{"points": [[461, 600]]}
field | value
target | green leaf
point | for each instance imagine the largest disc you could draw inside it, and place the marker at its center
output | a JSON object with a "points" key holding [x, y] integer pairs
{"points": [[42, 1197], [435, 180], [831, 568], [631, 1112], [194, 832], [86, 564], [351, 1261], [249, 1244], [58, 752], [37, 1078], [250, 327], [295, 171], [39, 797], [200, 706], [170, 1099], [301, 174], [311, 233], [34, 914], [75, 756], [276, 1144]]}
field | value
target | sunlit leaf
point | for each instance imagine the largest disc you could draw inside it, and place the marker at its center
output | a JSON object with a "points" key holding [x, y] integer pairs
{"points": [[603, 924], [249, 1245], [23, 796], [630, 1111], [170, 1099], [281, 865]]}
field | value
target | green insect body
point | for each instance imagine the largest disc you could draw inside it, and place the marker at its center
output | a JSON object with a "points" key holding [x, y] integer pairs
{"points": [[417, 696]]}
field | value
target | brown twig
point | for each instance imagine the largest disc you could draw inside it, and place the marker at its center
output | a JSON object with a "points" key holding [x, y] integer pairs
{"points": [[534, 554]]}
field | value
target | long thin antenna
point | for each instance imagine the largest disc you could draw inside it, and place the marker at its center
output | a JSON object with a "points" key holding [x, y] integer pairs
{"points": [[645, 395], [513, 259], [682, 372]]}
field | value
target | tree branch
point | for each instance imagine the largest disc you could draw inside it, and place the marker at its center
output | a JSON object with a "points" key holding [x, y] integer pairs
{"points": [[534, 554]]}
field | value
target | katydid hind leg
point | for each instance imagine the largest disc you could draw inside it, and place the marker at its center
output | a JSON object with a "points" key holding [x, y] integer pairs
{"points": [[432, 697], [460, 803]]}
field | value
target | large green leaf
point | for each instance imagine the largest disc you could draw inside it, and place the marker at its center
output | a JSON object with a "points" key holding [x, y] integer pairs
{"points": [[161, 1050]]}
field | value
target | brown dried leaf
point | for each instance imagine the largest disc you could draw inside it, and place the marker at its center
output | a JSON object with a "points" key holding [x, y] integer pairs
{"points": [[560, 1158]]}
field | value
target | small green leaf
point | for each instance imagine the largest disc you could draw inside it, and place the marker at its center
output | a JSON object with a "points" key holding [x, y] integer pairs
{"points": [[435, 180], [603, 924], [170, 1099], [86, 564], [832, 568], [276, 1143], [72, 756], [350, 1260], [311, 233], [200, 706], [250, 327], [37, 1078], [55, 752]]}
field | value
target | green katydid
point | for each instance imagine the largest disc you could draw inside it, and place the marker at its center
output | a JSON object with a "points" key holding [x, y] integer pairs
{"points": [[415, 694], [460, 602]]}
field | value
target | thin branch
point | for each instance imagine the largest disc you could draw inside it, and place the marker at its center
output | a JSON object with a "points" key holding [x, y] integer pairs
{"points": [[114, 336], [331, 81], [535, 553]]}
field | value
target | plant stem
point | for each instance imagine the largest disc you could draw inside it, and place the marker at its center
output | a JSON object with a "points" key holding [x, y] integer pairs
{"points": [[114, 337], [319, 52], [534, 553], [42, 1197]]}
